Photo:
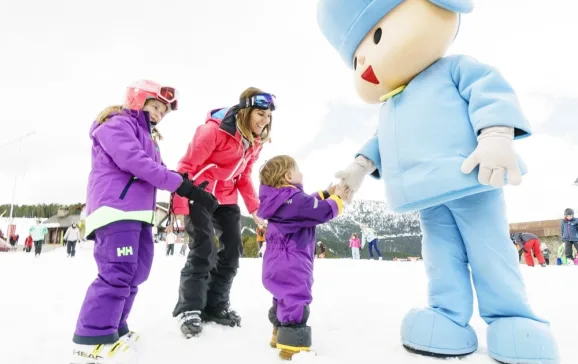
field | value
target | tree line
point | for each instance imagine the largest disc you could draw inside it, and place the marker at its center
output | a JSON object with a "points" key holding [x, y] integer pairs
{"points": [[39, 210]]}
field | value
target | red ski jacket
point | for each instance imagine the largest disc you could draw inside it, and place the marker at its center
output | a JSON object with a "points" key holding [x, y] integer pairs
{"points": [[217, 155]]}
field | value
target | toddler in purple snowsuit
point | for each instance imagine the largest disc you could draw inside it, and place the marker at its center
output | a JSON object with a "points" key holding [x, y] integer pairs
{"points": [[288, 261], [121, 199]]}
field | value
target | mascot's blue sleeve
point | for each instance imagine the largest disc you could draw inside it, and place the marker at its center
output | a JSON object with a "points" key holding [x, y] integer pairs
{"points": [[491, 99], [371, 151]]}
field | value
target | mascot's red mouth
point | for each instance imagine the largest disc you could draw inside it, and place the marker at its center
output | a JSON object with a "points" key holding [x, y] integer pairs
{"points": [[369, 76]]}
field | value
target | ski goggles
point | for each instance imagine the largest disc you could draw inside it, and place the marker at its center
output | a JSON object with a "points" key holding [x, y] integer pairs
{"points": [[260, 101], [169, 95]]}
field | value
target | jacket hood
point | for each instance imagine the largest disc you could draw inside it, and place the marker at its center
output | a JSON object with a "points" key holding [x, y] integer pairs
{"points": [[140, 116], [273, 198]]}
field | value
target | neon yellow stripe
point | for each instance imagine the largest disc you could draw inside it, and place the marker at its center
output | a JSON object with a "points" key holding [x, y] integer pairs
{"points": [[106, 215], [339, 203], [97, 350], [391, 93], [320, 192], [293, 348]]}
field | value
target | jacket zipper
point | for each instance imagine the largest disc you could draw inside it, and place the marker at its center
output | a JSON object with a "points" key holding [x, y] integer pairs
{"points": [[242, 156], [125, 190]]}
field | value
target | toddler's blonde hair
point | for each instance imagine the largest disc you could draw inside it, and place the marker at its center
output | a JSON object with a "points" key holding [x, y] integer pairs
{"points": [[273, 171]]}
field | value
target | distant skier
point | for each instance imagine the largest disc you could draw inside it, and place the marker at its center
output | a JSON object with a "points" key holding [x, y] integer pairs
{"points": [[370, 237], [530, 243], [354, 245], [260, 238], [288, 264], [38, 233], [71, 237], [569, 232], [28, 243], [320, 250], [170, 238]]}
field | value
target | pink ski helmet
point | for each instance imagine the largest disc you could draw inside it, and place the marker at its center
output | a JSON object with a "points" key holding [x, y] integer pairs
{"points": [[138, 92]]}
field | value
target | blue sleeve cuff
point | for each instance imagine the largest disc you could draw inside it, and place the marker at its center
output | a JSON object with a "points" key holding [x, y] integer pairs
{"points": [[371, 151]]}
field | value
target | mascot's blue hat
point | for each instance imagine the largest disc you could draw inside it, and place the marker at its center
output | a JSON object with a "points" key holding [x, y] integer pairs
{"points": [[346, 22]]}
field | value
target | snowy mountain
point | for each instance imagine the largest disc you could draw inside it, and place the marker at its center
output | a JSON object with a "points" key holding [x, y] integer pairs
{"points": [[400, 235]]}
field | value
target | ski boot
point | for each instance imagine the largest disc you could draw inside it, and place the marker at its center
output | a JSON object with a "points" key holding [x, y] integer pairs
{"points": [[116, 353], [292, 340], [273, 342], [190, 323], [130, 338], [224, 317]]}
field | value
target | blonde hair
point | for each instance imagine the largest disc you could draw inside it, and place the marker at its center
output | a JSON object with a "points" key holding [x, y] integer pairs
{"points": [[273, 171], [244, 118], [105, 114]]}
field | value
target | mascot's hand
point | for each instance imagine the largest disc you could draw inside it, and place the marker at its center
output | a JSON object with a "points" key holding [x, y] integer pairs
{"points": [[353, 175], [496, 156]]}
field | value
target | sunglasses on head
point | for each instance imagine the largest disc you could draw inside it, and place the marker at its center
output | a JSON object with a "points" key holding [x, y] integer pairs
{"points": [[260, 101]]}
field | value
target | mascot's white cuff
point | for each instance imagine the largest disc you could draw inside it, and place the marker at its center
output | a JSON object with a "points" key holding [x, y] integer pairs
{"points": [[497, 131], [365, 163]]}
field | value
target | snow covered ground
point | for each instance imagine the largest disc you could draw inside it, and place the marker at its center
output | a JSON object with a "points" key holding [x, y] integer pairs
{"points": [[355, 315]]}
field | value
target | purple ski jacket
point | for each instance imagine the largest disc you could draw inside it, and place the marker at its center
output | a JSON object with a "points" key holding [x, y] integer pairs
{"points": [[292, 216], [126, 171]]}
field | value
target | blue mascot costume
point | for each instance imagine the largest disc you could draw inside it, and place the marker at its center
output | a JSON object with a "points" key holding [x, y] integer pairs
{"points": [[444, 147]]}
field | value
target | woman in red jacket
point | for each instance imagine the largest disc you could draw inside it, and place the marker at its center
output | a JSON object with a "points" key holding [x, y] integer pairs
{"points": [[221, 155]]}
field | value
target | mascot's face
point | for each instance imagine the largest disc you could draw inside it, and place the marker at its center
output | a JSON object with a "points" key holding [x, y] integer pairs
{"points": [[403, 43]]}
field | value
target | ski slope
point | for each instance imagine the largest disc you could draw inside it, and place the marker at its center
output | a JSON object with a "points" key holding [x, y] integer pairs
{"points": [[355, 315]]}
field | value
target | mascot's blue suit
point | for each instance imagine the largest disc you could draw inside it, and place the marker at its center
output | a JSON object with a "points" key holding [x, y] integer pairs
{"points": [[426, 131]]}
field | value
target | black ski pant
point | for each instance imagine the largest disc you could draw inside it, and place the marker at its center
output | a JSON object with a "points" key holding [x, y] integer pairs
{"points": [[568, 248], [71, 248], [37, 247], [208, 274], [170, 249]]}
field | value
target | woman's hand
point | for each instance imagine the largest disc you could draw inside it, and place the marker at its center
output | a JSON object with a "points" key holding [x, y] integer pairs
{"points": [[257, 219]]}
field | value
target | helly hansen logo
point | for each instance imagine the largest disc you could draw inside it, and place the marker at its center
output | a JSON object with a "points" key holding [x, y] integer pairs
{"points": [[124, 251], [289, 202]]}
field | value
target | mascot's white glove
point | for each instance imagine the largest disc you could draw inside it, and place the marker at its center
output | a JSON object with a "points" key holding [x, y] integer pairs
{"points": [[495, 154], [353, 175]]}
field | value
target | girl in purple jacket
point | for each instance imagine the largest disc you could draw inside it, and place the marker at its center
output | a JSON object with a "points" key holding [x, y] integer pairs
{"points": [[121, 198], [288, 261]]}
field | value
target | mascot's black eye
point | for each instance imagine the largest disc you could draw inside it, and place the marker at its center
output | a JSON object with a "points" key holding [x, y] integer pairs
{"points": [[377, 36], [355, 63]]}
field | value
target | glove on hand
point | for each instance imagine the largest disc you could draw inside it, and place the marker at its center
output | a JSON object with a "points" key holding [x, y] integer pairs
{"points": [[197, 194], [352, 176], [495, 155]]}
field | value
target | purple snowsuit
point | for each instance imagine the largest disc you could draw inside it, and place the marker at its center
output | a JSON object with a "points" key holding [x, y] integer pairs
{"points": [[121, 200], [288, 261]]}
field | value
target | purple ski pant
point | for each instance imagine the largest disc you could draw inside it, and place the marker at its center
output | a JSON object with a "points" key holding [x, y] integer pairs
{"points": [[124, 253]]}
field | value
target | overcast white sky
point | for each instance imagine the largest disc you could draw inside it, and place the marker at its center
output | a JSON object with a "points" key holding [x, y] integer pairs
{"points": [[62, 61]]}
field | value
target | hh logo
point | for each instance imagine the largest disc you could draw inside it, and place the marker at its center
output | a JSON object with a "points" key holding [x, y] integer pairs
{"points": [[124, 251]]}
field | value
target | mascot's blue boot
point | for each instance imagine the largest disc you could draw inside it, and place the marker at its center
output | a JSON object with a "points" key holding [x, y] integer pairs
{"points": [[518, 340], [427, 332]]}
